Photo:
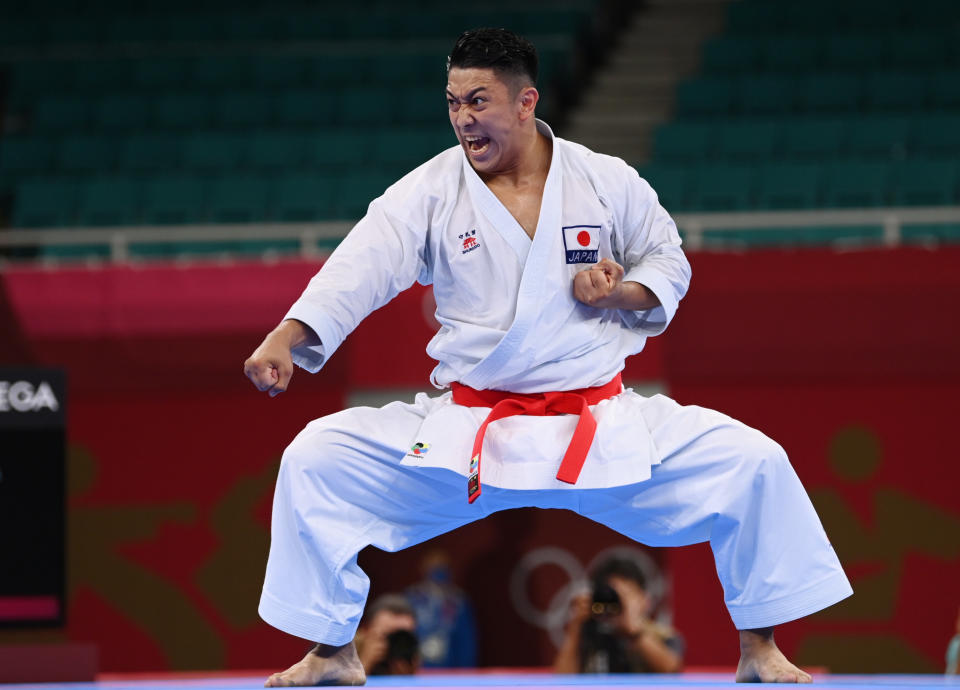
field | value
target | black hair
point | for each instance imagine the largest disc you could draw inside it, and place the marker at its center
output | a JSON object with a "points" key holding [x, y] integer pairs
{"points": [[618, 567], [506, 53], [394, 603]]}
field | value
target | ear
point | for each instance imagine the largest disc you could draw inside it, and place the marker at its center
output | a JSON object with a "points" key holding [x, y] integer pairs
{"points": [[527, 100]]}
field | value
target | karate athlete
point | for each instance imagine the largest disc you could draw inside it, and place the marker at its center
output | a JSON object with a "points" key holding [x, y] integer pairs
{"points": [[550, 265]]}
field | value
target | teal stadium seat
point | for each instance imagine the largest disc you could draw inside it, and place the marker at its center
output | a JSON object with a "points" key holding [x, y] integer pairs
{"points": [[855, 53], [935, 135], [102, 76], [150, 27], [341, 69], [213, 151], [221, 74], [766, 95], [161, 75], [339, 150], [277, 151], [45, 203], [26, 155], [150, 153], [418, 146], [244, 108], [731, 55], [683, 141], [280, 72], [173, 199], [791, 54], [60, 114], [250, 25], [756, 18], [705, 97], [356, 190], [87, 154], [814, 138], [748, 141], [670, 182], [313, 107], [789, 186], [109, 201], [896, 91], [122, 112], [424, 106], [857, 184], [184, 110], [238, 199], [945, 90], [879, 137], [830, 93], [923, 182], [304, 198], [723, 187], [923, 51]]}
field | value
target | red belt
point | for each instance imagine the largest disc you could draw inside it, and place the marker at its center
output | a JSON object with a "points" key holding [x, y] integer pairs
{"points": [[506, 404]]}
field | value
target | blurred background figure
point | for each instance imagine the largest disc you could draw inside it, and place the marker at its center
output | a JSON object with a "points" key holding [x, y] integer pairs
{"points": [[610, 629], [387, 640], [445, 622], [953, 652]]}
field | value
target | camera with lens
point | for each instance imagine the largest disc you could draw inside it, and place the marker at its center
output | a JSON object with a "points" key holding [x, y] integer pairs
{"points": [[601, 647]]}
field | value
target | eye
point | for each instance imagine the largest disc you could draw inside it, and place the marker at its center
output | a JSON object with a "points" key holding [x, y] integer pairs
{"points": [[479, 100]]}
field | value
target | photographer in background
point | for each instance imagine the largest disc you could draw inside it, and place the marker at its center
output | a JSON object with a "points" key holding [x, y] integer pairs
{"points": [[386, 640], [610, 630]]}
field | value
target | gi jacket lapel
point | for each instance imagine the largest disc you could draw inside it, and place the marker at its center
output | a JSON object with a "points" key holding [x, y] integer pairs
{"points": [[534, 256]]}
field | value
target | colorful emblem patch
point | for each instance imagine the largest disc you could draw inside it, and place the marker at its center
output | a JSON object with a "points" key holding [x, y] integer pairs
{"points": [[582, 243], [470, 241], [420, 448]]}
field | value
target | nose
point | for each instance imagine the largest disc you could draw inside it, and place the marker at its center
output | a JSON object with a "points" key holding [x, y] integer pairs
{"points": [[464, 116]]}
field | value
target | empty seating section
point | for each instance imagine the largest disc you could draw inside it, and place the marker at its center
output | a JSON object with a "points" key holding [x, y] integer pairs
{"points": [[233, 112], [812, 104]]}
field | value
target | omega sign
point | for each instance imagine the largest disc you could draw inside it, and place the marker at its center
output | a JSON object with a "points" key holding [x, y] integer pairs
{"points": [[23, 396], [32, 398]]}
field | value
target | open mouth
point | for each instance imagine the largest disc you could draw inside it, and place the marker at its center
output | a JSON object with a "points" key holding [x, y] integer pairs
{"points": [[477, 145]]}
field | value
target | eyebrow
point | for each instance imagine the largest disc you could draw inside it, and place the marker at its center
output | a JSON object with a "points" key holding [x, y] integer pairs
{"points": [[470, 95]]}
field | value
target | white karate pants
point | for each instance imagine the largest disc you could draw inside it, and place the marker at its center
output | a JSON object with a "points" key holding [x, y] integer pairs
{"points": [[341, 488]]}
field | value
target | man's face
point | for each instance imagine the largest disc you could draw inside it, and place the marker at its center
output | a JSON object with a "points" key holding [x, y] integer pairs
{"points": [[486, 115], [386, 622]]}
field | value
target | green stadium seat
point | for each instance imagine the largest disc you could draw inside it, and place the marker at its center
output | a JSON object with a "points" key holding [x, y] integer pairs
{"points": [[139, 28], [60, 114], [238, 199], [814, 138], [705, 97], [250, 25], [122, 112], [877, 16], [41, 77], [355, 191], [160, 75], [822, 93], [720, 187], [926, 183], [415, 69], [945, 90], [308, 23], [247, 108], [918, 51], [316, 107], [424, 106], [109, 201], [222, 73], [416, 146], [26, 155], [731, 55], [102, 76], [789, 186], [683, 141], [766, 95], [213, 151], [791, 54], [175, 199], [197, 25], [304, 198], [62, 29], [359, 107], [45, 203], [903, 91], [183, 110], [670, 183], [755, 18], [857, 184], [281, 72], [747, 141], [339, 149], [155, 153], [936, 135], [880, 137], [861, 53], [87, 154], [272, 151]]}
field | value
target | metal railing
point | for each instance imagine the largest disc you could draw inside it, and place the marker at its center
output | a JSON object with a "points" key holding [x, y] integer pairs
{"points": [[121, 242]]}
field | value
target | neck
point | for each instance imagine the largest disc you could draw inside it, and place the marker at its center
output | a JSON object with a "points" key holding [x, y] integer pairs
{"points": [[533, 162]]}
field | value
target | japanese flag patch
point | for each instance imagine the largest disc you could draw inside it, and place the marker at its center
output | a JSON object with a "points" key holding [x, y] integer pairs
{"points": [[582, 243]]}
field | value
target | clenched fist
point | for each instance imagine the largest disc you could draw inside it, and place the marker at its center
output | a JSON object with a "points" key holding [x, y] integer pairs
{"points": [[271, 365], [602, 286]]}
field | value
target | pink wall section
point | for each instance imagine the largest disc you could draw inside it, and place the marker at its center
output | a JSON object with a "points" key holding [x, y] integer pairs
{"points": [[848, 359]]}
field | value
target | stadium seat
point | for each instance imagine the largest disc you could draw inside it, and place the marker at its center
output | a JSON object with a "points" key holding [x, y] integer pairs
{"points": [[766, 95], [45, 203], [101, 76], [936, 135], [238, 199], [791, 54], [109, 201], [731, 55], [160, 75], [789, 186], [244, 108], [670, 183], [723, 187], [87, 154], [705, 97], [338, 150], [181, 110], [122, 112], [271, 151], [304, 198], [879, 137], [221, 74], [150, 153], [921, 51], [58, 114], [857, 184], [945, 90], [854, 53], [315, 107], [903, 91], [418, 145], [355, 191], [213, 151], [747, 141], [280, 72], [829, 93], [926, 183], [815, 138], [683, 141], [26, 155], [173, 199]]}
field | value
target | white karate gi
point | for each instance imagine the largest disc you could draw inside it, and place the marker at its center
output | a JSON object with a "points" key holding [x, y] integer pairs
{"points": [[657, 472]]}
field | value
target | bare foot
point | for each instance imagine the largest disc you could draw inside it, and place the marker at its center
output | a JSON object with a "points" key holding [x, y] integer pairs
{"points": [[323, 665], [762, 662]]}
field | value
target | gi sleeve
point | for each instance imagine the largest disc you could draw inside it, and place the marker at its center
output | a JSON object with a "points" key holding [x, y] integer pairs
{"points": [[379, 258], [651, 254]]}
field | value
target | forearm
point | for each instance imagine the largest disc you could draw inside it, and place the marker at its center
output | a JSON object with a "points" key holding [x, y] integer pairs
{"points": [[568, 658], [293, 334], [633, 296], [659, 657]]}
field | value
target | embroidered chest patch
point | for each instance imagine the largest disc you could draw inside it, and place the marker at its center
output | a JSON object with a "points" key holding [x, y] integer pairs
{"points": [[582, 243], [470, 241]]}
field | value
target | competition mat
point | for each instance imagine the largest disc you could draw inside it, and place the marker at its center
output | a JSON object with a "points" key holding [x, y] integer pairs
{"points": [[512, 681]]}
